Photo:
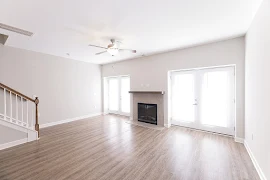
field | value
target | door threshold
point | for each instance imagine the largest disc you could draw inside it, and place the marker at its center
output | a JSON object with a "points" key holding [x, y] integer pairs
{"points": [[210, 132]]}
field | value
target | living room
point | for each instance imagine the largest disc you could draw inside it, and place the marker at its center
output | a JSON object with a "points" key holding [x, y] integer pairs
{"points": [[121, 91]]}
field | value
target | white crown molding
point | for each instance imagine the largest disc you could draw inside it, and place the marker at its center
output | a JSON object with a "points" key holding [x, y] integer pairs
{"points": [[69, 120], [255, 163], [13, 143]]}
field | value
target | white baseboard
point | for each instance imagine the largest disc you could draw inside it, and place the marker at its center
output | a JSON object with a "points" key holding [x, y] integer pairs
{"points": [[239, 140], [255, 163], [13, 143], [69, 120]]}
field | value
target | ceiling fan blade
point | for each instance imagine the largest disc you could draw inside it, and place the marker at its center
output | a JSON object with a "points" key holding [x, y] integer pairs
{"points": [[101, 52], [133, 51], [97, 46]]}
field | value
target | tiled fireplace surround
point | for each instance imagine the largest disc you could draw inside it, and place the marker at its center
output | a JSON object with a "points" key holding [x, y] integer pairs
{"points": [[150, 97]]}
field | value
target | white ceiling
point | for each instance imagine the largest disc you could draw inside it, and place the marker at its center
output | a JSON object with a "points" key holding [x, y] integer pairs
{"points": [[149, 26]]}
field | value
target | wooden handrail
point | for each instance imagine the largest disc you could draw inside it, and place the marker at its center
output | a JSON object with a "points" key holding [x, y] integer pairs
{"points": [[36, 101], [16, 92]]}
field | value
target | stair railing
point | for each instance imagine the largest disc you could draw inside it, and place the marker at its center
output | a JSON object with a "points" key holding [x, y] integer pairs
{"points": [[21, 118]]}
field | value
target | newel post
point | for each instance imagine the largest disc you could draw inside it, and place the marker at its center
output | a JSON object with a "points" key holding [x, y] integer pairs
{"points": [[37, 125]]}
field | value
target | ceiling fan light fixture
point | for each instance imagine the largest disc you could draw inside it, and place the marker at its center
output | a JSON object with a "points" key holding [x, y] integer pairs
{"points": [[113, 51]]}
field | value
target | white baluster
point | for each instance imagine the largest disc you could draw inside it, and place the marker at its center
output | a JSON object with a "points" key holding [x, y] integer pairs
{"points": [[10, 97], [27, 124], [31, 116], [17, 112], [5, 105], [22, 110], [32, 123], [13, 115]]}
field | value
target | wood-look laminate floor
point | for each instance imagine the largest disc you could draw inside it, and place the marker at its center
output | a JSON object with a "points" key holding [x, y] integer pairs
{"points": [[106, 147]]}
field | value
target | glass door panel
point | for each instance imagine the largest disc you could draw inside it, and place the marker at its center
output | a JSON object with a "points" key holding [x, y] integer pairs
{"points": [[215, 99], [113, 86], [183, 97], [116, 95], [125, 96]]}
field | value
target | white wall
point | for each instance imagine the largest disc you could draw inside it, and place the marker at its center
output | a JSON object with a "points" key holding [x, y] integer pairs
{"points": [[150, 73], [66, 88], [258, 88]]}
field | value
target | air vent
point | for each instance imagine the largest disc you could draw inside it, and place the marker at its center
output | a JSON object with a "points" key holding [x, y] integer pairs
{"points": [[16, 30]]}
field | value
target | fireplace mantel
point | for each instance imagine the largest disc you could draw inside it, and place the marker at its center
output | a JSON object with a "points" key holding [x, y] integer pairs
{"points": [[153, 92]]}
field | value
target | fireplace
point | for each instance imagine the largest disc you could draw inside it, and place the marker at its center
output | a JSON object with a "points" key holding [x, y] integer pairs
{"points": [[147, 113]]}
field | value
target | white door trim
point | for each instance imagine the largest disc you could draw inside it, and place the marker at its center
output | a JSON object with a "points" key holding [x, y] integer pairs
{"points": [[118, 112], [196, 124]]}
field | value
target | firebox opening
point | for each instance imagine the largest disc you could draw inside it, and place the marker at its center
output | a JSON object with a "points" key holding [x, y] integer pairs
{"points": [[147, 113]]}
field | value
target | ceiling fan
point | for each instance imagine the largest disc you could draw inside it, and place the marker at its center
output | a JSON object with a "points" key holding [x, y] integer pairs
{"points": [[112, 49]]}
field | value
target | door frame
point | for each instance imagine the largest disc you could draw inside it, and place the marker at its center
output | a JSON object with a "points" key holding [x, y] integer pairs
{"points": [[197, 126], [106, 95]]}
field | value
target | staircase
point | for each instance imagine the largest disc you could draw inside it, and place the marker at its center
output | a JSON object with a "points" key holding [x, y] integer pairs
{"points": [[18, 117]]}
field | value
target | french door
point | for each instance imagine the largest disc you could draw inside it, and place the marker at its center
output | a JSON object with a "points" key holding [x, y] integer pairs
{"points": [[204, 99], [118, 95]]}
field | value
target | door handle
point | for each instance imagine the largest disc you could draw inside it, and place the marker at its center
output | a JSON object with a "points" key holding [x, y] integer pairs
{"points": [[195, 103]]}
